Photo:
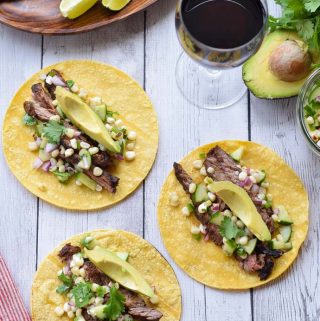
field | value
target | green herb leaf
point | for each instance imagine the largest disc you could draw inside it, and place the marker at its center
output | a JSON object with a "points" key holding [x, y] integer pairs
{"points": [[229, 230], [62, 177], [53, 131], [115, 305], [82, 294], [111, 113], [65, 279], [202, 155], [101, 291], [190, 208], [61, 289], [268, 204], [197, 237], [70, 83], [241, 251], [29, 120], [312, 5]]}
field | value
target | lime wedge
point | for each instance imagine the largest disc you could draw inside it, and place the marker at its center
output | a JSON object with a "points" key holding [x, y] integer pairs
{"points": [[74, 8], [115, 5]]}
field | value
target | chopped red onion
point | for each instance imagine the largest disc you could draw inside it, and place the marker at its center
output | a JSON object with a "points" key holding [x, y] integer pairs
{"points": [[241, 183], [118, 157], [207, 237], [255, 189], [57, 81], [276, 211], [37, 163], [247, 182], [258, 201], [215, 207], [50, 147], [38, 141], [77, 133], [46, 166], [248, 171]]}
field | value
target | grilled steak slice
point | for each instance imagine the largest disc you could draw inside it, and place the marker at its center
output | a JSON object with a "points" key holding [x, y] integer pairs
{"points": [[132, 300], [182, 176], [52, 88], [94, 275], [212, 229], [226, 169], [253, 263], [267, 268], [145, 314], [87, 316], [40, 96], [35, 110], [68, 251], [106, 180], [262, 248]]}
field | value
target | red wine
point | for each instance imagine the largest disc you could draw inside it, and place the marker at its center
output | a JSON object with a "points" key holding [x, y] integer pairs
{"points": [[223, 24]]}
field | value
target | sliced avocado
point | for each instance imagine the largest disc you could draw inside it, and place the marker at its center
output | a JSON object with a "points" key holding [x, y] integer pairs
{"points": [[87, 181], [123, 255], [242, 206], [216, 218], [229, 247], [200, 195], [101, 111], [82, 116], [283, 216], [249, 248], [118, 270], [286, 232], [257, 75], [237, 154], [279, 245]]}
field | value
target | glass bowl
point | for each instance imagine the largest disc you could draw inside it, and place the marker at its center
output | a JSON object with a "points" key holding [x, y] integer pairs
{"points": [[312, 81]]}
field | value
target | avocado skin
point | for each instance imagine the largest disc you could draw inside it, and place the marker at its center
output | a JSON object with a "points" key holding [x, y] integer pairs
{"points": [[259, 79]]}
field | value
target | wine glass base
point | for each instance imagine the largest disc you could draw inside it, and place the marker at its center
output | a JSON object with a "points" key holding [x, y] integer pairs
{"points": [[208, 88]]}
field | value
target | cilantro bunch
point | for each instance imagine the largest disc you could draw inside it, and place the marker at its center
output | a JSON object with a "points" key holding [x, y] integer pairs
{"points": [[302, 16]]}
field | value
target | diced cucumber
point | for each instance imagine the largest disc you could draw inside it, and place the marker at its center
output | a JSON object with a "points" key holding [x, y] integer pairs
{"points": [[216, 218], [200, 195], [101, 111], [262, 177], [39, 129], [279, 245], [43, 155], [87, 181], [86, 159], [249, 248], [43, 143], [286, 232], [123, 255], [229, 247], [237, 154], [190, 208], [283, 216], [314, 93], [60, 112]]}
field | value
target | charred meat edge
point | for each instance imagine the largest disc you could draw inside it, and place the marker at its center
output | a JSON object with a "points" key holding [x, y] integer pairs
{"points": [[42, 110], [134, 304]]}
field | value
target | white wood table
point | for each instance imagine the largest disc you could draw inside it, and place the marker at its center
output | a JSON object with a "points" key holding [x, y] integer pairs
{"points": [[145, 46]]}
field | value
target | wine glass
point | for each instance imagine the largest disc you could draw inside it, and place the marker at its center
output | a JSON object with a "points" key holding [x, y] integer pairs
{"points": [[208, 72]]}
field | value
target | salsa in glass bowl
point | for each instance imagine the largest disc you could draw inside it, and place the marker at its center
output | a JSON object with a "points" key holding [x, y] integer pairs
{"points": [[308, 111]]}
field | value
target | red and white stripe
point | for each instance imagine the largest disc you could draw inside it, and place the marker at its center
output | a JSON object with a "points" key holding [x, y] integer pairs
{"points": [[11, 305]]}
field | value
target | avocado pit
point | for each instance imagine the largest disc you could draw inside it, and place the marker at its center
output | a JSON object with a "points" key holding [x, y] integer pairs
{"points": [[290, 61]]}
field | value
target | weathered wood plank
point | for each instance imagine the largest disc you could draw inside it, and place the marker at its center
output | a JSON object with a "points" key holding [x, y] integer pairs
{"points": [[183, 127], [19, 58]]}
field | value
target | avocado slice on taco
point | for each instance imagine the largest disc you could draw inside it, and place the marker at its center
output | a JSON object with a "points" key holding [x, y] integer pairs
{"points": [[90, 280], [86, 129], [230, 215]]}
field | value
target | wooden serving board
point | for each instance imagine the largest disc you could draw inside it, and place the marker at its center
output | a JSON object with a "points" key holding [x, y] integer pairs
{"points": [[43, 16]]}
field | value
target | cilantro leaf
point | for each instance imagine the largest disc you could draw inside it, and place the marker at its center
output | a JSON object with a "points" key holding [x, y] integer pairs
{"points": [[61, 289], [53, 131], [312, 5], [62, 177], [115, 305], [82, 294], [29, 120], [70, 83], [229, 230], [305, 29], [101, 291], [65, 279]]}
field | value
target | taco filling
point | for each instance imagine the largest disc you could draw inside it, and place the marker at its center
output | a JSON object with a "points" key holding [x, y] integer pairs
{"points": [[76, 134], [235, 210], [90, 292]]}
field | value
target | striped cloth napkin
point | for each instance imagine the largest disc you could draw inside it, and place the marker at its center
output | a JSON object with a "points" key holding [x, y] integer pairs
{"points": [[11, 305]]}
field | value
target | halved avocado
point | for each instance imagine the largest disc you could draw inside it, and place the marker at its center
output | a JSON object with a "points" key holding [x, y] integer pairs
{"points": [[258, 77]]}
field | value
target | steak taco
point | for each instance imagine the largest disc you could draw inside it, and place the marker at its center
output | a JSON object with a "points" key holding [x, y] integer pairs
{"points": [[107, 275], [233, 215], [80, 135]]}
